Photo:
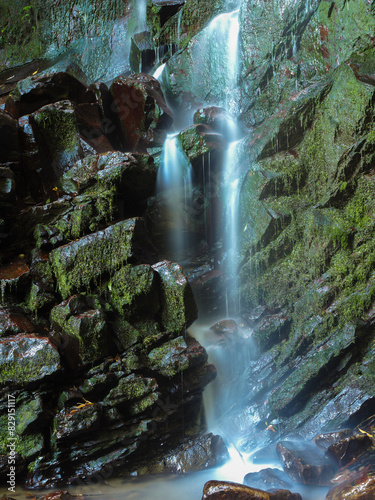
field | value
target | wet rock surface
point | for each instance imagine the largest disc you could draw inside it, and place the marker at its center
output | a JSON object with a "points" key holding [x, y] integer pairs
{"points": [[305, 463], [227, 490]]}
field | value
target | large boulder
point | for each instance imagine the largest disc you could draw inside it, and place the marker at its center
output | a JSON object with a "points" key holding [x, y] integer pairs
{"points": [[26, 359], [179, 309], [79, 264], [143, 113], [305, 463], [39, 90]]}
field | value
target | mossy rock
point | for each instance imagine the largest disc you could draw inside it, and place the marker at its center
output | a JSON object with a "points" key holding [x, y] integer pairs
{"points": [[25, 359], [86, 336], [133, 291], [78, 265], [57, 136], [130, 389], [320, 360], [171, 358], [178, 307]]}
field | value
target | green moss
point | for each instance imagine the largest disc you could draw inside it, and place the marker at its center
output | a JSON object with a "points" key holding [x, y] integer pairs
{"points": [[20, 38], [332, 133], [170, 358], [78, 265], [132, 291], [59, 126]]}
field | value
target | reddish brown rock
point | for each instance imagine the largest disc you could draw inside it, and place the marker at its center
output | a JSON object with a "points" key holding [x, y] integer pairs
{"points": [[328, 438], [345, 450], [223, 490], [305, 463], [13, 321], [362, 487], [58, 495], [39, 90], [92, 126], [143, 113], [225, 327]]}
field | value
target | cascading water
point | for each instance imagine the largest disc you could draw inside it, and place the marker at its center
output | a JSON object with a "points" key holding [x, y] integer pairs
{"points": [[231, 184], [141, 6], [174, 180], [220, 53]]}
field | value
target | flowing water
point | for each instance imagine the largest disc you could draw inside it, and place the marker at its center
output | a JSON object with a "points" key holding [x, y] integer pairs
{"points": [[174, 180]]}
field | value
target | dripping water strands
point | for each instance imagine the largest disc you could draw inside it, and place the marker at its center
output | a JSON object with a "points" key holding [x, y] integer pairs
{"points": [[174, 181], [230, 230], [141, 7]]}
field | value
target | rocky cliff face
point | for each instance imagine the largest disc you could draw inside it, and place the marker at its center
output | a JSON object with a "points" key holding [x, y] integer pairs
{"points": [[83, 285]]}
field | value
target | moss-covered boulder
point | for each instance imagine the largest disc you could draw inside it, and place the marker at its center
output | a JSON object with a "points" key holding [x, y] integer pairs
{"points": [[136, 393], [57, 135], [80, 264], [133, 292], [179, 309], [25, 359], [133, 176], [85, 333], [171, 358]]}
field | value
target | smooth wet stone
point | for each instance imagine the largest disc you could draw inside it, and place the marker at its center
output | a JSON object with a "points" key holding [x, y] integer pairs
{"points": [[267, 479], [225, 327], [171, 358], [39, 90], [25, 359], [77, 265], [305, 463], [325, 440], [224, 490], [76, 421], [179, 309], [272, 329], [296, 387], [143, 113], [198, 454], [360, 487], [219, 121], [255, 315], [344, 451], [58, 495], [13, 321]]}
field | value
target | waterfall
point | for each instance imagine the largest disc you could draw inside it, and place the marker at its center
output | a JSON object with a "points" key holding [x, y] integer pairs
{"points": [[174, 179], [141, 6], [231, 183], [221, 53]]}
